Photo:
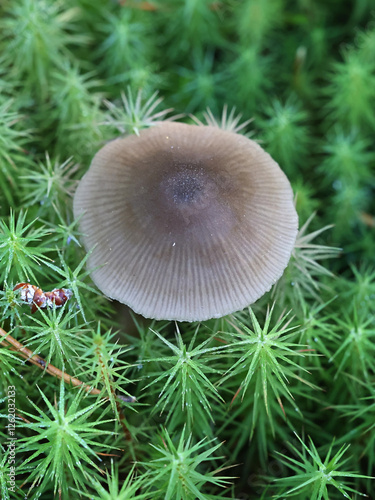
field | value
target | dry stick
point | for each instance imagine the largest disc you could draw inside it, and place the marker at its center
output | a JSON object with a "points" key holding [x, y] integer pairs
{"points": [[52, 370], [41, 363], [367, 219]]}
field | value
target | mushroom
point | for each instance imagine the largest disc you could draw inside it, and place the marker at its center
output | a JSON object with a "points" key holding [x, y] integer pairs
{"points": [[186, 222]]}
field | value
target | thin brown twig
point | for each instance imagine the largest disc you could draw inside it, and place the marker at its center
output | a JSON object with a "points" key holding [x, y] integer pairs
{"points": [[35, 359], [367, 219]]}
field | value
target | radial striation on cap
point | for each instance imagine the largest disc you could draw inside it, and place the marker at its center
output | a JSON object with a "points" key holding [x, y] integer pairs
{"points": [[186, 222]]}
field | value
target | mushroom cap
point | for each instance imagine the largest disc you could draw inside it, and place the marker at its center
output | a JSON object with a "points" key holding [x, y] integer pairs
{"points": [[186, 222]]}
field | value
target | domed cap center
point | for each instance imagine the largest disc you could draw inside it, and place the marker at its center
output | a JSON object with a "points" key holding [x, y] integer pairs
{"points": [[186, 186], [189, 193]]}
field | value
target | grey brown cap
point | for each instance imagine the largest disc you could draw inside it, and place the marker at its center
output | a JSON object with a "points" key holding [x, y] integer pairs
{"points": [[187, 222]]}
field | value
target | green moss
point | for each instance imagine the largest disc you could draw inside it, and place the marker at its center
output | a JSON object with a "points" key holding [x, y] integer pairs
{"points": [[301, 76]]}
